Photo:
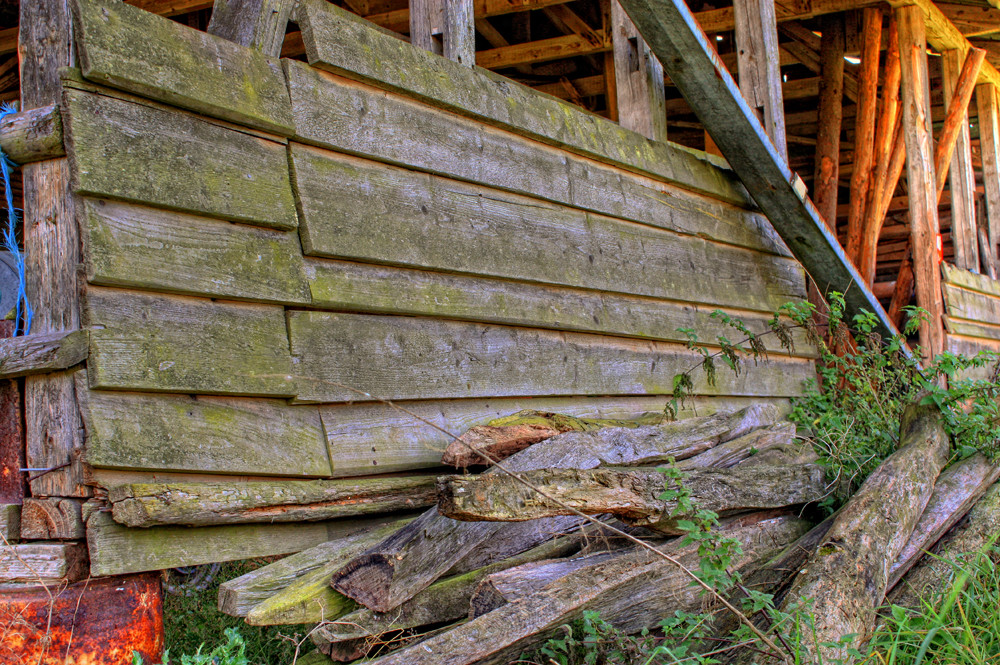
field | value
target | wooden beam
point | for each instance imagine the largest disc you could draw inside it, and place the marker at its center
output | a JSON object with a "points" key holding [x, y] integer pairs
{"points": [[426, 23], [831, 98], [459, 32], [542, 50], [961, 174], [864, 130], [398, 20], [675, 38], [989, 148], [802, 49], [42, 353], [12, 479], [924, 229], [638, 79], [759, 71], [258, 24], [33, 135]]}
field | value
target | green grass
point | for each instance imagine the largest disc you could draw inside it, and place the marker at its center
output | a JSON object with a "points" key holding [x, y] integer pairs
{"points": [[194, 620]]}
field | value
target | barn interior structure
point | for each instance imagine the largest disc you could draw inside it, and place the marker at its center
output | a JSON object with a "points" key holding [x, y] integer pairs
{"points": [[247, 224]]}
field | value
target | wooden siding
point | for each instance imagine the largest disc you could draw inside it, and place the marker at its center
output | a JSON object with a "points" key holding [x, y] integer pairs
{"points": [[972, 313]]}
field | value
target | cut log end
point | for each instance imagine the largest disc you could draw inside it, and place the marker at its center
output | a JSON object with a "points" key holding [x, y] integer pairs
{"points": [[366, 579]]}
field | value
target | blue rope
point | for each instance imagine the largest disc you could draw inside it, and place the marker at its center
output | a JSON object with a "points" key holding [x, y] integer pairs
{"points": [[23, 312]]}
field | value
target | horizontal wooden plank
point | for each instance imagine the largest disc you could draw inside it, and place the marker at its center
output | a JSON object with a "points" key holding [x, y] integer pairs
{"points": [[971, 305], [968, 328], [352, 207], [158, 250], [116, 550], [42, 353], [32, 135], [43, 563], [430, 358], [359, 287], [126, 150], [144, 341], [969, 280], [134, 50], [970, 346], [333, 40], [351, 117], [202, 434]]}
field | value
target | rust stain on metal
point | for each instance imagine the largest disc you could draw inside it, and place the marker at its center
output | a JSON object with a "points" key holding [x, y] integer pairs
{"points": [[96, 622]]}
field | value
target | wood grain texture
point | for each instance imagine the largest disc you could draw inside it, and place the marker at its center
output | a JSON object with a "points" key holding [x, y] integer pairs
{"points": [[459, 32], [144, 341], [332, 36], [43, 563], [32, 135], [350, 286], [42, 353], [10, 522], [756, 32], [966, 279], [638, 78], [989, 146], [443, 359], [972, 305], [116, 550], [257, 24], [831, 101], [240, 595], [125, 150], [961, 174], [206, 504], [13, 482], [157, 250], [54, 434], [203, 434], [52, 519], [350, 208], [134, 50]]}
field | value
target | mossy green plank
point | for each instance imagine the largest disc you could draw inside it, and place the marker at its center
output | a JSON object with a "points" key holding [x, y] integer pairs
{"points": [[152, 56], [970, 280], [968, 328], [116, 550], [145, 341], [158, 250], [360, 287], [352, 117], [171, 159], [361, 210], [341, 42], [202, 434], [972, 305], [419, 358]]}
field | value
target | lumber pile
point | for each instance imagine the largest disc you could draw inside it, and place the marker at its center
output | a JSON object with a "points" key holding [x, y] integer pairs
{"points": [[507, 556]]}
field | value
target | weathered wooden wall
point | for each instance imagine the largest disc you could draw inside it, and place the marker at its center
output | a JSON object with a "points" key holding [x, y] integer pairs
{"points": [[264, 239], [972, 313]]}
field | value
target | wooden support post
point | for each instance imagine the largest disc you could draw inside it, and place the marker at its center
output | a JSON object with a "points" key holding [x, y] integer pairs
{"points": [[459, 32], [610, 87], [759, 66], [961, 175], [12, 483], [925, 235], [52, 248], [864, 129], [989, 146], [831, 101], [638, 79], [259, 24], [426, 20]]}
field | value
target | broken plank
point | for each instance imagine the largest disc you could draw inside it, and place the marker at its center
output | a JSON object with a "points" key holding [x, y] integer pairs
{"points": [[42, 353], [116, 550], [967, 279], [32, 135], [133, 50], [239, 596], [203, 434], [136, 246], [444, 359], [144, 341], [43, 563], [126, 150], [350, 206], [690, 61], [204, 504], [632, 495]]}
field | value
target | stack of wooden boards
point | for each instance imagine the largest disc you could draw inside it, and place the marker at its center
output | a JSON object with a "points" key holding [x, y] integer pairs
{"points": [[502, 561]]}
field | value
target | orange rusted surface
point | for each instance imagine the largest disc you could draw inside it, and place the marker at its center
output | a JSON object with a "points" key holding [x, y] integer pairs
{"points": [[95, 622]]}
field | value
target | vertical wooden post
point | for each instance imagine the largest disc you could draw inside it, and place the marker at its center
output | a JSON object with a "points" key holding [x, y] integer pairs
{"points": [[831, 102], [459, 32], [259, 24], [52, 248], [759, 65], [426, 19], [924, 232], [638, 79], [989, 146], [961, 176], [610, 86], [11, 435], [864, 129]]}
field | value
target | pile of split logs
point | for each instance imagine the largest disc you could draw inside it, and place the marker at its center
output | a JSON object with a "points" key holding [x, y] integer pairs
{"points": [[495, 568]]}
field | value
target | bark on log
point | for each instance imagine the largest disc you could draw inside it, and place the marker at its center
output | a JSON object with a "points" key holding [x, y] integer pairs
{"points": [[935, 574], [846, 578], [204, 504], [742, 448], [630, 592], [632, 495], [957, 489], [392, 572], [444, 601]]}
